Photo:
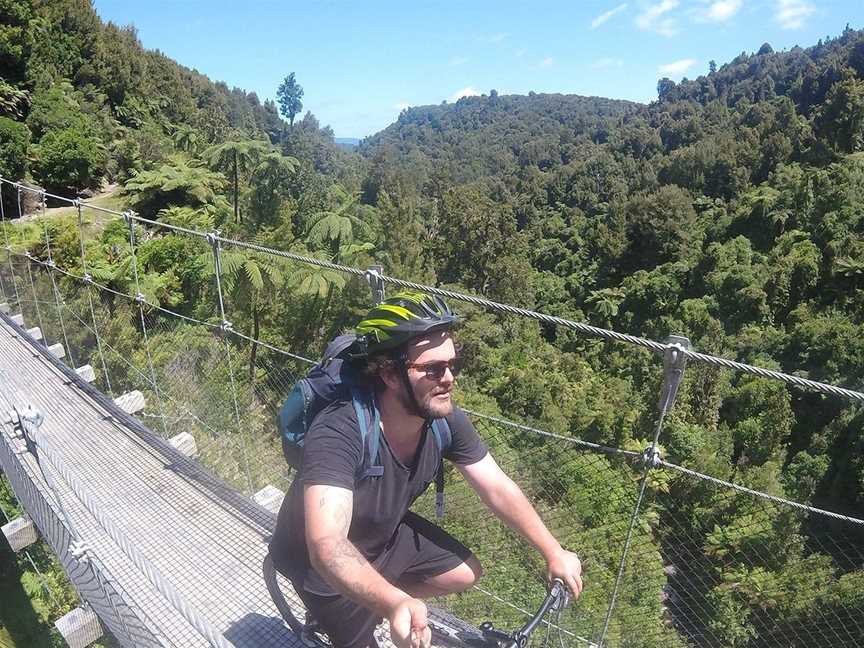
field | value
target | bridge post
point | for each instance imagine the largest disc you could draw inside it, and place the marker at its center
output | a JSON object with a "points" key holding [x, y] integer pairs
{"points": [[57, 351], [20, 533], [185, 444], [270, 498], [86, 372], [80, 627], [131, 402]]}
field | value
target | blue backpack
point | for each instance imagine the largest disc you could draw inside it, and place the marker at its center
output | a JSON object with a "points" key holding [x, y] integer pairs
{"points": [[335, 379]]}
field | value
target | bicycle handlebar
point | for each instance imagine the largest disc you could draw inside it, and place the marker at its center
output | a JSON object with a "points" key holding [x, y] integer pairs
{"points": [[555, 599]]}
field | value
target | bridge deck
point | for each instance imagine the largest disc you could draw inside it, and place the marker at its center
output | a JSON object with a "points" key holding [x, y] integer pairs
{"points": [[205, 538]]}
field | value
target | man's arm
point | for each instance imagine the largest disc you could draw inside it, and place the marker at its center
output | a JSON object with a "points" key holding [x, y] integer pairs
{"points": [[328, 518], [508, 502]]}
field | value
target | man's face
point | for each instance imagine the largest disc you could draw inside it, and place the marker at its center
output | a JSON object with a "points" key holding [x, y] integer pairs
{"points": [[429, 376]]}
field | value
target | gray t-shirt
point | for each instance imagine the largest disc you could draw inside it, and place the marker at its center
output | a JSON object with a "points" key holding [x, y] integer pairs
{"points": [[332, 455]]}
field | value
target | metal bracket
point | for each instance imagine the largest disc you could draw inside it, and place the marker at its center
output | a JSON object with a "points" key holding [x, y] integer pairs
{"points": [[139, 298], [226, 326], [79, 549], [376, 282], [674, 363], [211, 237], [88, 278], [651, 457]]}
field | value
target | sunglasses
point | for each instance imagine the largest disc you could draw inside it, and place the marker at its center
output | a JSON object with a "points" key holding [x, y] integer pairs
{"points": [[436, 370]]}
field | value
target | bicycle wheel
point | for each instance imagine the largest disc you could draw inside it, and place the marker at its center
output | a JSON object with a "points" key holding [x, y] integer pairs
{"points": [[450, 630]]}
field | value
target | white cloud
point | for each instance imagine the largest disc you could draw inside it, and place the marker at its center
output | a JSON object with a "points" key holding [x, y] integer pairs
{"points": [[606, 64], [602, 18], [547, 62], [458, 60], [653, 18], [723, 10], [402, 106], [678, 67], [497, 38], [467, 91], [791, 14], [520, 52]]}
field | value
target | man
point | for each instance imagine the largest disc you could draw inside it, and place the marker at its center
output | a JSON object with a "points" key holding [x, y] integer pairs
{"points": [[350, 546]]}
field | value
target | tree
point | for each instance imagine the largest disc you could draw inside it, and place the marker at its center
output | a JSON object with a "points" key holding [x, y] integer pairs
{"points": [[69, 159], [175, 184], [236, 158], [841, 118], [14, 145], [187, 139], [664, 87], [289, 94]]}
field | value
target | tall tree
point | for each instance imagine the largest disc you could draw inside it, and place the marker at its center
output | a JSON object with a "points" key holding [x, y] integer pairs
{"points": [[289, 94], [236, 159]]}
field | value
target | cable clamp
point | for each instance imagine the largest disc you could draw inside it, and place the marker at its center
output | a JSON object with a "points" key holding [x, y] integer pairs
{"points": [[374, 277], [226, 326], [674, 363], [27, 254], [213, 237], [651, 457], [79, 550], [88, 278], [139, 298], [51, 264], [129, 217]]}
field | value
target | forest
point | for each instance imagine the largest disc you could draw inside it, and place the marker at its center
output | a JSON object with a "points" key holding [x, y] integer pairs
{"points": [[730, 210]]}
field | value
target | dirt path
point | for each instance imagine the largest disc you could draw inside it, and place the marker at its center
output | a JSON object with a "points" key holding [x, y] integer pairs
{"points": [[106, 197]]}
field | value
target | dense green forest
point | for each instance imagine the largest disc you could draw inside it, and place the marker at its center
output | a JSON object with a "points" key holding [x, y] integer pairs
{"points": [[731, 210]]}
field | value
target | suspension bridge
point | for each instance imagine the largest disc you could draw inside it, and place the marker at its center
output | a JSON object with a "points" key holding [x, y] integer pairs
{"points": [[149, 465]]}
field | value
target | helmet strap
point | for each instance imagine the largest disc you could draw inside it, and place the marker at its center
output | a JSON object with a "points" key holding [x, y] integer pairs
{"points": [[401, 364]]}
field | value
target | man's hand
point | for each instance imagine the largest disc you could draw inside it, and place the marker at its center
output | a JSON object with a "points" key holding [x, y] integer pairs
{"points": [[566, 566], [408, 625]]}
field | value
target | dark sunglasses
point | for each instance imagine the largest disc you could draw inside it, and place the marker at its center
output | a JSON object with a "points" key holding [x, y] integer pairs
{"points": [[436, 370]]}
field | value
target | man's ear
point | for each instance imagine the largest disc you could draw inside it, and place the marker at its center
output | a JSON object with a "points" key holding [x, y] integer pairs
{"points": [[390, 377]]}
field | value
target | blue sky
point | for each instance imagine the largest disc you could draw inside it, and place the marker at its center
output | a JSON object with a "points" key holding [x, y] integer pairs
{"points": [[360, 63]]}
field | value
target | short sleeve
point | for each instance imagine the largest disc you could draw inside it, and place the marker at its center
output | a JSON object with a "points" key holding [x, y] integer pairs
{"points": [[332, 450], [466, 447]]}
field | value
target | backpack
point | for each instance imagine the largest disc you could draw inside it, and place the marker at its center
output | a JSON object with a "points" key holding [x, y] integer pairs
{"points": [[334, 379]]}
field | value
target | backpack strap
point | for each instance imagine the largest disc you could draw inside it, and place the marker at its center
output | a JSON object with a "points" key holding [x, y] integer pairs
{"points": [[369, 421], [443, 437]]}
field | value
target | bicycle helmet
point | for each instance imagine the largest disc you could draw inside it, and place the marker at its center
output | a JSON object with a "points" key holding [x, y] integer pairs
{"points": [[401, 318]]}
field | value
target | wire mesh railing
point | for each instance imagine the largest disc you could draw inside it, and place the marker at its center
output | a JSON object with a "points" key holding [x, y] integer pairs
{"points": [[746, 569]]}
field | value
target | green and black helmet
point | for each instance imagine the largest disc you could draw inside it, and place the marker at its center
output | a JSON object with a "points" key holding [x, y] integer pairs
{"points": [[401, 318]]}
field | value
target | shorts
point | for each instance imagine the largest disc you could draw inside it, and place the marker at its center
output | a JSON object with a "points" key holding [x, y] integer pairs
{"points": [[418, 550]]}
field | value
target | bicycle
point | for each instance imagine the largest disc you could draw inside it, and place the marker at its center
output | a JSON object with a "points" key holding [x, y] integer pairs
{"points": [[446, 628]]}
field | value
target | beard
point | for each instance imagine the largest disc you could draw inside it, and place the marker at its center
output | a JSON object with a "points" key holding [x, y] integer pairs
{"points": [[431, 405], [435, 405]]}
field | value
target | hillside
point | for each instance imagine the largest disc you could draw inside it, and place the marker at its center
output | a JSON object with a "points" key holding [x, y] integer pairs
{"points": [[81, 101]]}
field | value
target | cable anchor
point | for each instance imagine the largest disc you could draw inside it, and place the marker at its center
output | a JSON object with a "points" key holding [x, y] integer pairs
{"points": [[374, 277]]}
